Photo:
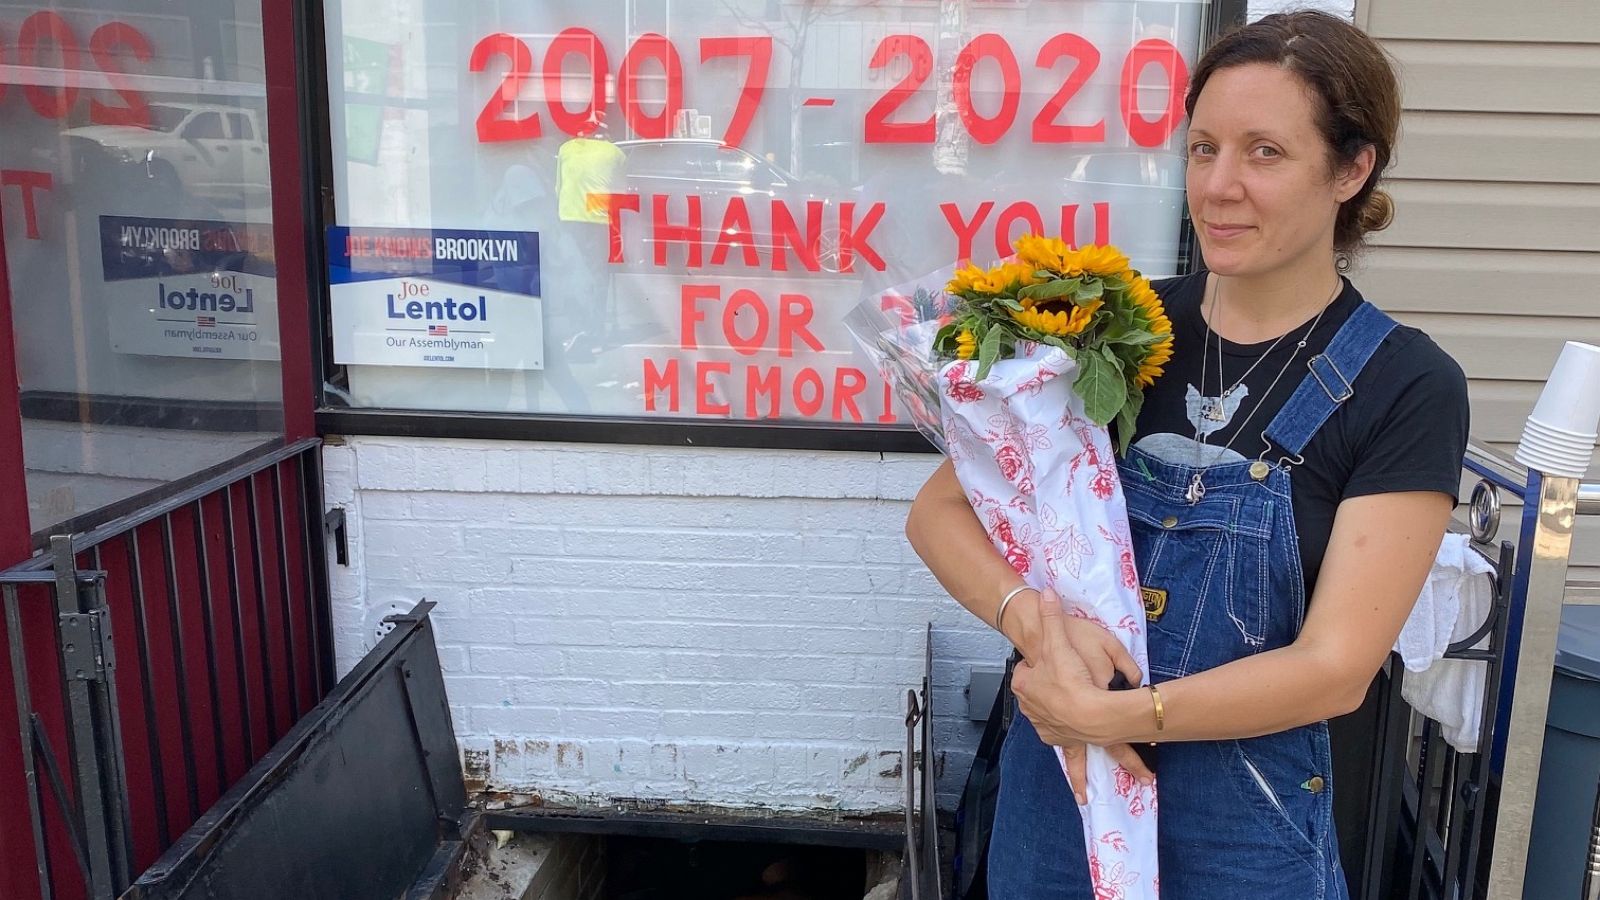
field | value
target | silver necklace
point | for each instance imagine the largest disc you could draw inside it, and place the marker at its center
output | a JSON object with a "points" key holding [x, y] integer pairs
{"points": [[1215, 409], [1197, 487]]}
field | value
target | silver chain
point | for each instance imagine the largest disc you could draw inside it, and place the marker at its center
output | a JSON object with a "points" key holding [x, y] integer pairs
{"points": [[1205, 352], [1197, 487]]}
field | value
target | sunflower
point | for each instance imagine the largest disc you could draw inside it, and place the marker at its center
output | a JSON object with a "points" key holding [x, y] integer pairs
{"points": [[1150, 369], [1105, 261], [1048, 253], [991, 282], [1144, 297], [965, 278], [1020, 274], [966, 344], [1055, 317]]}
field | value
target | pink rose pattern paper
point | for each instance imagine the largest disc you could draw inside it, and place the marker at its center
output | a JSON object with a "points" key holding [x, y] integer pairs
{"points": [[1043, 480]]}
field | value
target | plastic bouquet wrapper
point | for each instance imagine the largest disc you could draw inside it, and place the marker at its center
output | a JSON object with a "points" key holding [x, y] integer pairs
{"points": [[1016, 373]]}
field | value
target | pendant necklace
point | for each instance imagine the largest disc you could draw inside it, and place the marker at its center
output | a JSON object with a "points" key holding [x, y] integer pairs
{"points": [[1214, 409], [1197, 487]]}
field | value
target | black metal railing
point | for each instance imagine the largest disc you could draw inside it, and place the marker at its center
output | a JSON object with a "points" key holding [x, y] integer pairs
{"points": [[156, 657], [1432, 803], [1431, 810]]}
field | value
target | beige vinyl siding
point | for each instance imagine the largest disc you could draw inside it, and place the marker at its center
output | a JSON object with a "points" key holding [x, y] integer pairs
{"points": [[1545, 21], [1495, 248]]}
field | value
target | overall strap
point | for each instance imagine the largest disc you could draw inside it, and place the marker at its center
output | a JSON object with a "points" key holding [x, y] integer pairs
{"points": [[1328, 384]]}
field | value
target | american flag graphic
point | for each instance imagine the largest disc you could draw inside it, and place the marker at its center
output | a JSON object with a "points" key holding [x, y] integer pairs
{"points": [[438, 330], [205, 321]]}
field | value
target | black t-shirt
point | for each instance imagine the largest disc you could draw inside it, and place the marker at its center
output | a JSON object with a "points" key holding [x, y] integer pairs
{"points": [[1404, 429]]}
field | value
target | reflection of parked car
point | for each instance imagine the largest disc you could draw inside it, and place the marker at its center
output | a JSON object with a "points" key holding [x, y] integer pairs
{"points": [[208, 150], [717, 173]]}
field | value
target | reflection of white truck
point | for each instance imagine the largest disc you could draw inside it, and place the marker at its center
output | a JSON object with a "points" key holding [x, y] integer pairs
{"points": [[213, 151]]}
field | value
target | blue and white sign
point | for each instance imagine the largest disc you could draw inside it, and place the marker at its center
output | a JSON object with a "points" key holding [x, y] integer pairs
{"points": [[180, 287], [436, 297]]}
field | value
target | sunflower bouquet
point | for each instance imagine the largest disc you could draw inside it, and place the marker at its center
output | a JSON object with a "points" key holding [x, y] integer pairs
{"points": [[1017, 372], [1089, 303]]}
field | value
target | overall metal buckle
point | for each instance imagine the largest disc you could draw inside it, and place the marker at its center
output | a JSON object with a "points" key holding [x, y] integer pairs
{"points": [[1344, 382]]}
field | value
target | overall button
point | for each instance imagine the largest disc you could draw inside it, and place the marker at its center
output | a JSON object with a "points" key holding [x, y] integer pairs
{"points": [[1169, 522], [1316, 784], [1259, 470]]}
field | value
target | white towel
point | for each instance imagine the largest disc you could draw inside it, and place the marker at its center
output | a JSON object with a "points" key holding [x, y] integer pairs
{"points": [[1456, 598]]}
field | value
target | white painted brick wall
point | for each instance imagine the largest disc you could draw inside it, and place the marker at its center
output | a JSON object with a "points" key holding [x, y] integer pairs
{"points": [[714, 626]]}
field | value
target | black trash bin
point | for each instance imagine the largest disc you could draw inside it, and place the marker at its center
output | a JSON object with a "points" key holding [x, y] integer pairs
{"points": [[1569, 772]]}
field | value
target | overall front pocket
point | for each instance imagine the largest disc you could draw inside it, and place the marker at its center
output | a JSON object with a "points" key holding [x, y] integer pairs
{"points": [[1275, 773], [1186, 556]]}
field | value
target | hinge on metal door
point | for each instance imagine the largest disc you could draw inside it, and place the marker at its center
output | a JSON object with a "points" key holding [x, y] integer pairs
{"points": [[86, 645]]}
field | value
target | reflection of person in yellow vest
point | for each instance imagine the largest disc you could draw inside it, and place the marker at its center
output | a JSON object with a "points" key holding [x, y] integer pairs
{"points": [[586, 168]]}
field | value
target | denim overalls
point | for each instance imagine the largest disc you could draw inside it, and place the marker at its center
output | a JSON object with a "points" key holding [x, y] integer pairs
{"points": [[1247, 818]]}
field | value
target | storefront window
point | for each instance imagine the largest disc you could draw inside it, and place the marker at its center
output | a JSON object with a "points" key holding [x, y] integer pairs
{"points": [[135, 200], [616, 209]]}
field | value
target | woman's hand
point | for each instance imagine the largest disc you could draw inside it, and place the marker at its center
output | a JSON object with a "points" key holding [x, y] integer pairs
{"points": [[1099, 649], [1061, 684]]}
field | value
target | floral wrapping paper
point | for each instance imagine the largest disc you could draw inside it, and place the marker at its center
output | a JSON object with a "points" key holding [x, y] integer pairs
{"points": [[1043, 480]]}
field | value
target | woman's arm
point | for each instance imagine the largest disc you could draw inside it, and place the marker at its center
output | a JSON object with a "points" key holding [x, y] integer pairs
{"points": [[946, 533], [1380, 552]]}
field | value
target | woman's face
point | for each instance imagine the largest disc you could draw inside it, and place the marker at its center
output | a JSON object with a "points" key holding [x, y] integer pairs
{"points": [[1260, 191]]}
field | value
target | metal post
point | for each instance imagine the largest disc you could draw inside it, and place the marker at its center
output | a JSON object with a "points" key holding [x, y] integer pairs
{"points": [[82, 655], [108, 719], [19, 680], [1541, 620]]}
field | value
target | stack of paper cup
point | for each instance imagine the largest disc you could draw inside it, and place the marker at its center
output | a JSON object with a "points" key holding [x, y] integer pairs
{"points": [[1559, 438]]}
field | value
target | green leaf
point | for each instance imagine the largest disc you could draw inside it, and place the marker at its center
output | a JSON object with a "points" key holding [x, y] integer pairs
{"points": [[1050, 290], [1101, 386], [1009, 303], [1112, 357], [1128, 421], [1090, 290], [989, 351], [1138, 337]]}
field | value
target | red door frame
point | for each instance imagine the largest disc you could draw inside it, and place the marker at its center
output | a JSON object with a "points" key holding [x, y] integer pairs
{"points": [[283, 30], [17, 878], [15, 543], [282, 27]]}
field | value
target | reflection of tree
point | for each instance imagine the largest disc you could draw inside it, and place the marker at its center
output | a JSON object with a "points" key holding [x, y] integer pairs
{"points": [[951, 141], [790, 23]]}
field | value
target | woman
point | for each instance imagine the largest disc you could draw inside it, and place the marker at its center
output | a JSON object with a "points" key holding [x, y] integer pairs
{"points": [[1283, 519]]}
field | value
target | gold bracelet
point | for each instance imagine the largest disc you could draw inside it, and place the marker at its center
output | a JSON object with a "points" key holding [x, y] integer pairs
{"points": [[1161, 710]]}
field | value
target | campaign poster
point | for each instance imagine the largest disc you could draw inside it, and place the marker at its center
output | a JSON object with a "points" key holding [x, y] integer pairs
{"points": [[195, 289], [419, 297]]}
